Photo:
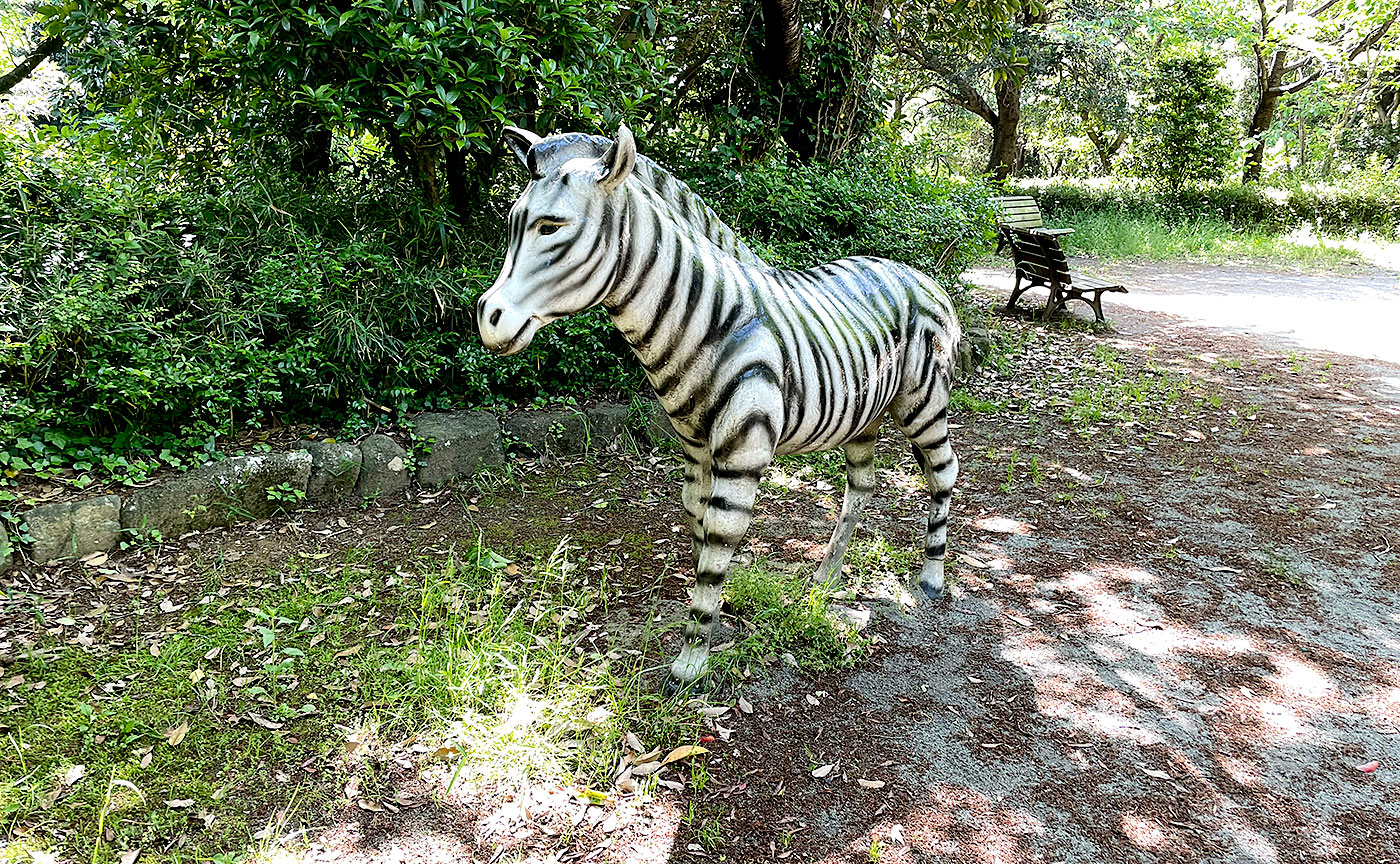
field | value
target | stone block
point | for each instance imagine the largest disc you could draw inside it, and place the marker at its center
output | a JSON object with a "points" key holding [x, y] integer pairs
{"points": [[383, 468], [335, 470], [456, 444], [552, 432], [73, 529], [221, 493], [607, 423], [657, 425], [973, 349]]}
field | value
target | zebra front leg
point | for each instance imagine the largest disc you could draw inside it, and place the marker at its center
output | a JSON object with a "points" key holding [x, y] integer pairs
{"points": [[940, 467], [860, 485], [727, 516], [694, 495]]}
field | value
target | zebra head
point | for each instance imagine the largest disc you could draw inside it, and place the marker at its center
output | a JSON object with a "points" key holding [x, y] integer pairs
{"points": [[564, 233]]}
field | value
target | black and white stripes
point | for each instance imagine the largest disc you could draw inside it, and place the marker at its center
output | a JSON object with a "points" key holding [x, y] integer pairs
{"points": [[748, 361]]}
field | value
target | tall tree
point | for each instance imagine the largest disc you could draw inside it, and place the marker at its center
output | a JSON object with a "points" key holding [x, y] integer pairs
{"points": [[974, 53], [1293, 49]]}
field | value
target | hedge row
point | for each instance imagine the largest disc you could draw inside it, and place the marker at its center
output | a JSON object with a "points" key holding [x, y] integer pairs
{"points": [[1334, 209]]}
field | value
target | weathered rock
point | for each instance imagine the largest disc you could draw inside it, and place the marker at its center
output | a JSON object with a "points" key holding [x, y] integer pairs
{"points": [[383, 468], [974, 347], [335, 470], [222, 493], [456, 444], [556, 433], [73, 529], [607, 423], [658, 428]]}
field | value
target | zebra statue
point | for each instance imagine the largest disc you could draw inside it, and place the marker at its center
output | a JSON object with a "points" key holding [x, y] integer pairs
{"points": [[748, 361]]}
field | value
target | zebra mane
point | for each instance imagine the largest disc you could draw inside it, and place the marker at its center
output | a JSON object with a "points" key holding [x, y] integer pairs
{"points": [[688, 210]]}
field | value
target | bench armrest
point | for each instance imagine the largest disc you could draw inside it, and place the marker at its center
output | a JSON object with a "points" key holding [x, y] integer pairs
{"points": [[1053, 232]]}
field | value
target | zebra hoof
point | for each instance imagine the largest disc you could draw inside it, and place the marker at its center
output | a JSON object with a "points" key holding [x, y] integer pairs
{"points": [[936, 593], [672, 687]]}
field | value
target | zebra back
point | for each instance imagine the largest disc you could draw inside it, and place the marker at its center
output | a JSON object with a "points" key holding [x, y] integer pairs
{"points": [[690, 214]]}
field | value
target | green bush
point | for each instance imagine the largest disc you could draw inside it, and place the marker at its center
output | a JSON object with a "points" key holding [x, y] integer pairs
{"points": [[148, 314], [1187, 135], [1368, 201]]}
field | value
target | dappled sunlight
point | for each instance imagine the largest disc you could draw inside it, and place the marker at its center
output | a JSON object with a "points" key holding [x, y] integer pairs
{"points": [[1143, 832], [1002, 525]]}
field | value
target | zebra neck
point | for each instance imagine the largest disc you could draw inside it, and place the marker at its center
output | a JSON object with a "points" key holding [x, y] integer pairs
{"points": [[667, 278]]}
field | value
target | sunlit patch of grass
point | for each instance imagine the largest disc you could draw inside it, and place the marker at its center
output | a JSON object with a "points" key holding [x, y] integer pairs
{"points": [[1118, 397], [871, 557], [783, 613], [1113, 235], [287, 693]]}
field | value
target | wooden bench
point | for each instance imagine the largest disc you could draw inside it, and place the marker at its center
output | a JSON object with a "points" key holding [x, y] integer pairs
{"points": [[1039, 260], [1020, 211]]}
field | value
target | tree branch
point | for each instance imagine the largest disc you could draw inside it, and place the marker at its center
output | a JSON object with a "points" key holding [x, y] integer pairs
{"points": [[1296, 85], [46, 49]]}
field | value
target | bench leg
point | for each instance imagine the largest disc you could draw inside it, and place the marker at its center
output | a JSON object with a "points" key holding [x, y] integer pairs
{"points": [[1098, 305], [1016, 291]]}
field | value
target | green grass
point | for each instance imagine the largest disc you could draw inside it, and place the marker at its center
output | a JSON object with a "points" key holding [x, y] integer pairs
{"points": [[323, 673], [1112, 235], [784, 613]]}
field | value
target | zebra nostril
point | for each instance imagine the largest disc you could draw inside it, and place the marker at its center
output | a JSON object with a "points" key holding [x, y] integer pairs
{"points": [[495, 317]]}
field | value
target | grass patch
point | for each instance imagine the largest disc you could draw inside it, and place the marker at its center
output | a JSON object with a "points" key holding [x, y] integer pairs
{"points": [[783, 613], [214, 726], [1112, 235], [282, 695]]}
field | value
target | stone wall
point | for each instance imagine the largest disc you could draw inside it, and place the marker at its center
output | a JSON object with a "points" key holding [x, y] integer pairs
{"points": [[445, 448]]}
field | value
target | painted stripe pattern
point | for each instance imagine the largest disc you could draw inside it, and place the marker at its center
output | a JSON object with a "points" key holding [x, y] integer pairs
{"points": [[749, 361]]}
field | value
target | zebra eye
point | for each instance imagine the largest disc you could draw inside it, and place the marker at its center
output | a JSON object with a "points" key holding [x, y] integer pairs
{"points": [[547, 228]]}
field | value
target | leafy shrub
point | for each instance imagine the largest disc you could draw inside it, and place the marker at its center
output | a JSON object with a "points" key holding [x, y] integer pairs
{"points": [[1186, 132], [147, 313], [1368, 201], [880, 203]]}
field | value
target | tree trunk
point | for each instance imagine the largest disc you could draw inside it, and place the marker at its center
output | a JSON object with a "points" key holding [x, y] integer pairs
{"points": [[44, 51], [1002, 161], [469, 176], [1270, 79]]}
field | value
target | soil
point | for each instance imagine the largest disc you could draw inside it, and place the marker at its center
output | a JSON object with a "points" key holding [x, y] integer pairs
{"points": [[1173, 634]]}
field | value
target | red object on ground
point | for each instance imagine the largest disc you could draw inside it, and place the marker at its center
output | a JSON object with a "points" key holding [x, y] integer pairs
{"points": [[1369, 767], [707, 739]]}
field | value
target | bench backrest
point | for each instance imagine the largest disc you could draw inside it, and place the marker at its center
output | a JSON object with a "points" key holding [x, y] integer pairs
{"points": [[1018, 211], [1039, 256]]}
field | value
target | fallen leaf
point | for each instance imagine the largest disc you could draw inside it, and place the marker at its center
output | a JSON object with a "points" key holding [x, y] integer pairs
{"points": [[213, 653], [1368, 767], [645, 768], [1152, 772], [180, 804], [371, 806], [130, 856], [633, 742], [175, 734], [316, 640], [265, 723], [745, 706], [684, 752], [823, 771], [74, 774], [812, 700], [871, 784], [349, 652]]}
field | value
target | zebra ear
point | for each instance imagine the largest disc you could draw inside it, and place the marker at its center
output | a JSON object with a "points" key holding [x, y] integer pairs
{"points": [[618, 161], [520, 141]]}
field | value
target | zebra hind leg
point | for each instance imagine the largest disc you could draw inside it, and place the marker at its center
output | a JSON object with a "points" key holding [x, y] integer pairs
{"points": [[860, 485]]}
